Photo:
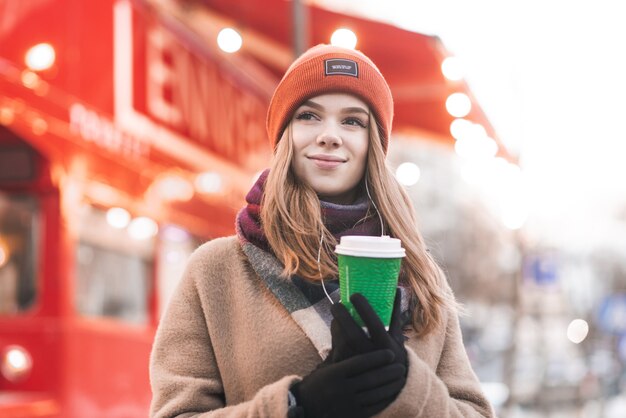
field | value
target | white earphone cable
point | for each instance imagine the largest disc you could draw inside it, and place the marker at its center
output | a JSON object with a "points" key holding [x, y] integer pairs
{"points": [[319, 268], [319, 250], [382, 227]]}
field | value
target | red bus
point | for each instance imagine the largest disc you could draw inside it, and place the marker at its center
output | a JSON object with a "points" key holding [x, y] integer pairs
{"points": [[108, 181], [126, 139]]}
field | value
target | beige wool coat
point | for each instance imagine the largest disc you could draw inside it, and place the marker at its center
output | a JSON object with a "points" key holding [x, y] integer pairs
{"points": [[226, 347]]}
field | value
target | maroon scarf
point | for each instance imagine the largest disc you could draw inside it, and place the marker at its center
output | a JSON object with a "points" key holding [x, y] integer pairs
{"points": [[339, 219]]}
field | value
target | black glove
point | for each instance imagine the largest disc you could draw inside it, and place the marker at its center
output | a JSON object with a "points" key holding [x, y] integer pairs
{"points": [[358, 387], [349, 339]]}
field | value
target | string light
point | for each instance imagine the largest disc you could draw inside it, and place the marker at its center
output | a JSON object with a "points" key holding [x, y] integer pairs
{"points": [[452, 69], [229, 40], [458, 105], [40, 57], [344, 37]]}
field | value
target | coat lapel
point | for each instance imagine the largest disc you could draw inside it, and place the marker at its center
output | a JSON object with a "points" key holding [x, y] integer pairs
{"points": [[313, 319]]}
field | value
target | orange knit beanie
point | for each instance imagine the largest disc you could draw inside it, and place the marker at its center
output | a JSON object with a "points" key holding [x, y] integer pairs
{"points": [[330, 69]]}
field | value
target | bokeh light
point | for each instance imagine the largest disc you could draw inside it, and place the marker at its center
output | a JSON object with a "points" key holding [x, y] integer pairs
{"points": [[452, 69], [408, 173], [142, 228], [175, 234], [229, 40], [208, 182], [174, 187], [460, 128], [16, 363], [577, 331], [118, 218], [458, 105], [40, 57], [344, 37]]}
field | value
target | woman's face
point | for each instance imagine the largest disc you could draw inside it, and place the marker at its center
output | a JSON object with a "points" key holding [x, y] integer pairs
{"points": [[330, 140]]}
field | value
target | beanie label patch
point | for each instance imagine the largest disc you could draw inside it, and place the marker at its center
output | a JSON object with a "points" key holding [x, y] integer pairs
{"points": [[340, 66]]}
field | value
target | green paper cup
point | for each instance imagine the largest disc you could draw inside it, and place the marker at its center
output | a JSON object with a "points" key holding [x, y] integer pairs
{"points": [[370, 266]]}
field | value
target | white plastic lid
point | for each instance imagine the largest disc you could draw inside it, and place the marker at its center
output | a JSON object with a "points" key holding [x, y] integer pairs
{"points": [[368, 246]]}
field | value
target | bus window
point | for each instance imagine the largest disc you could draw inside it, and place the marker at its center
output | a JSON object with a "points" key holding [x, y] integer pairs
{"points": [[113, 270], [18, 252], [176, 245]]}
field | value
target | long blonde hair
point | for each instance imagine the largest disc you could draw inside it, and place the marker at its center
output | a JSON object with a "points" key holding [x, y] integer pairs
{"points": [[292, 221]]}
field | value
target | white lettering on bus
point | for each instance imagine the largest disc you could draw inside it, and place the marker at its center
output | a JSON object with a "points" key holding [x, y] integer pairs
{"points": [[193, 97], [160, 78], [97, 129]]}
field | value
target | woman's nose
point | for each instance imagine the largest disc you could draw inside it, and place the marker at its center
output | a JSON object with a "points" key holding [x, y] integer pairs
{"points": [[329, 137]]}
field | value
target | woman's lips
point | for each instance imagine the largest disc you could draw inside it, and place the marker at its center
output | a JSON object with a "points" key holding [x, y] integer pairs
{"points": [[326, 162]]}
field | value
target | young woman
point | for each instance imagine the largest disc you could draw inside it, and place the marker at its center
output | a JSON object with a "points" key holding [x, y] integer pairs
{"points": [[255, 327]]}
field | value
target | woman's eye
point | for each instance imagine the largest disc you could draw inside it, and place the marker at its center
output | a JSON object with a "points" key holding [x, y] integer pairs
{"points": [[305, 116], [356, 122]]}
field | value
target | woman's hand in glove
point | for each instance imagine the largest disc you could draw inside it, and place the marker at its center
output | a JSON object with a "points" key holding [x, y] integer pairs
{"points": [[358, 387], [349, 339]]}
